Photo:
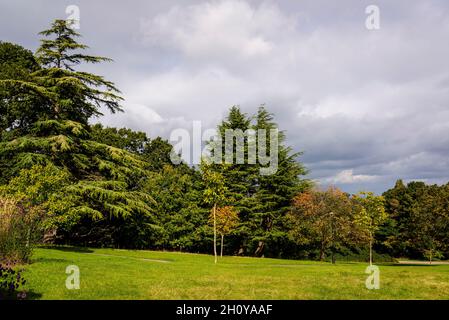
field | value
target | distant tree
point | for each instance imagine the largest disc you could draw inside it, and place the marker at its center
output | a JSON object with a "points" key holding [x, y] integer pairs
{"points": [[157, 153], [18, 109], [323, 216], [430, 219], [123, 138], [226, 220], [420, 214], [370, 216]]}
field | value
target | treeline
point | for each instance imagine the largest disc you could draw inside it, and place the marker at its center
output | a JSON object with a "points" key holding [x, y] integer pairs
{"points": [[66, 181], [418, 224]]}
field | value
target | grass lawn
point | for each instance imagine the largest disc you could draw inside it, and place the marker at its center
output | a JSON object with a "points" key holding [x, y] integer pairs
{"points": [[127, 274]]}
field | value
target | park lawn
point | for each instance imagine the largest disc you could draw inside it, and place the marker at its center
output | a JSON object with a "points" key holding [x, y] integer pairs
{"points": [[129, 274]]}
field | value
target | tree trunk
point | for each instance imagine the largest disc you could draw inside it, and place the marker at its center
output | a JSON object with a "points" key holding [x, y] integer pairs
{"points": [[322, 252], [259, 249], [28, 237], [215, 235], [221, 247], [371, 250]]}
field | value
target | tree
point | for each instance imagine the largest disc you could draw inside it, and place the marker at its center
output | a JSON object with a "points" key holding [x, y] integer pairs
{"points": [[261, 200], [226, 219], [370, 216], [179, 211], [214, 193], [275, 191], [123, 138], [429, 218], [18, 110], [74, 95], [105, 180], [66, 93], [399, 202], [323, 217]]}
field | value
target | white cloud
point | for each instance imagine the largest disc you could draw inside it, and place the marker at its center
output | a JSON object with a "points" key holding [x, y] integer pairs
{"points": [[348, 177], [226, 29]]}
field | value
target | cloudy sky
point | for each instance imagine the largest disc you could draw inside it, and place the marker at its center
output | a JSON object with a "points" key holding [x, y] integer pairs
{"points": [[366, 106]]}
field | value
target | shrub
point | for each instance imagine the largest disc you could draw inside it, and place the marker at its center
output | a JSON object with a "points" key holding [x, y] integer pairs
{"points": [[11, 283], [19, 229]]}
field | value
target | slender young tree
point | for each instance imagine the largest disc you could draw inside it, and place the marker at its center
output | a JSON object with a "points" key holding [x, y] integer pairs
{"points": [[226, 220], [214, 194], [370, 216]]}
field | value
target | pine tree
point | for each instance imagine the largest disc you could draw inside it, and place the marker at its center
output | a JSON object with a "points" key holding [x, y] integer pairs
{"points": [[18, 110], [73, 94], [240, 178], [105, 180], [275, 192], [261, 200]]}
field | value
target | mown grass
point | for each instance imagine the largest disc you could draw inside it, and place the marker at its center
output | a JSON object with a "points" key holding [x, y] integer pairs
{"points": [[127, 274]]}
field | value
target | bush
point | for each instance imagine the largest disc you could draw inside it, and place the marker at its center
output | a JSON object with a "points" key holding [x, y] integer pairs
{"points": [[19, 229], [11, 281]]}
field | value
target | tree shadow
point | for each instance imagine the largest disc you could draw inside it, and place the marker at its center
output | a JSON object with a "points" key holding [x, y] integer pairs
{"points": [[68, 249], [15, 296], [31, 295], [415, 265], [37, 260]]}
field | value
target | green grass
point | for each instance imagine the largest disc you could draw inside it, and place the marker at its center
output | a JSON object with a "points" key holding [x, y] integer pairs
{"points": [[125, 274]]}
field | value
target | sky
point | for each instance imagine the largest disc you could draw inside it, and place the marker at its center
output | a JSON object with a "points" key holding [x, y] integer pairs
{"points": [[367, 106]]}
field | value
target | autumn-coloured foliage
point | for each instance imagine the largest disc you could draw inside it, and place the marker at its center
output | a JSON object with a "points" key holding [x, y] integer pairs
{"points": [[322, 217], [226, 219]]}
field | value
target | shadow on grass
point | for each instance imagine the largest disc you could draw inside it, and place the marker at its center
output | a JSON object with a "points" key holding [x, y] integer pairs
{"points": [[30, 295], [68, 249], [414, 265], [38, 260]]}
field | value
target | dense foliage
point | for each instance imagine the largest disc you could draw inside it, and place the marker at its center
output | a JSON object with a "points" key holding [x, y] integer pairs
{"points": [[418, 224], [67, 181]]}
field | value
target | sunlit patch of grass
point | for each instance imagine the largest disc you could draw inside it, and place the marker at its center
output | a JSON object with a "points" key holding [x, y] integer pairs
{"points": [[131, 274]]}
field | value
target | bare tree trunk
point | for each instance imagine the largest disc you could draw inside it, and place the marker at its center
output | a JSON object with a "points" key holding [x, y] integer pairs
{"points": [[221, 247], [28, 237], [322, 252], [259, 250], [215, 234], [371, 250]]}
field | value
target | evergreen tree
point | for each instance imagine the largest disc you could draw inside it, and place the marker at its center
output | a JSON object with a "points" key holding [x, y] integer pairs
{"points": [[275, 192], [105, 179], [73, 95], [261, 200], [18, 110]]}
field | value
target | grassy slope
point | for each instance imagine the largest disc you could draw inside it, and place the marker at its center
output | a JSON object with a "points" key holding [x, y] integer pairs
{"points": [[123, 274]]}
